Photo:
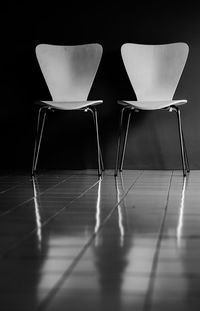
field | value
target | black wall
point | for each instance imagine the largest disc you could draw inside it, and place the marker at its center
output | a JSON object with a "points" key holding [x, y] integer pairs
{"points": [[153, 140]]}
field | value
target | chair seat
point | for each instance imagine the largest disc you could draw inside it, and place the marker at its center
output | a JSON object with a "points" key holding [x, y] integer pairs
{"points": [[152, 105], [71, 105]]}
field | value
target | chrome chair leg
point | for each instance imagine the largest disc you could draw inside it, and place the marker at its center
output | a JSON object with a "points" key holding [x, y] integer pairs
{"points": [[100, 160], [96, 125], [186, 155], [181, 140], [119, 141], [40, 127], [36, 140], [125, 141]]}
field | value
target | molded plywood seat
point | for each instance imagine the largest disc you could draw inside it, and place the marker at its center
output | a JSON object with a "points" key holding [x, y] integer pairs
{"points": [[154, 72], [153, 105], [69, 72]]}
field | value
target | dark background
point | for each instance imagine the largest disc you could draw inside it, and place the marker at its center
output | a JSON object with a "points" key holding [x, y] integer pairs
{"points": [[69, 141]]}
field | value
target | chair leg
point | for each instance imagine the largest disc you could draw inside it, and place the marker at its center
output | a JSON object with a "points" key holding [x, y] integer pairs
{"points": [[102, 164], [186, 156], [40, 127], [183, 150], [125, 141], [119, 141], [99, 154]]}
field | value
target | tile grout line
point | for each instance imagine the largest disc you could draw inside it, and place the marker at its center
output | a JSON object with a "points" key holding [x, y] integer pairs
{"points": [[67, 273], [20, 183], [32, 198], [148, 296], [16, 244], [13, 187]]}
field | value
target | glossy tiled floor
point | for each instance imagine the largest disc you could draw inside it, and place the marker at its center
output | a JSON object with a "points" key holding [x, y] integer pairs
{"points": [[69, 241]]}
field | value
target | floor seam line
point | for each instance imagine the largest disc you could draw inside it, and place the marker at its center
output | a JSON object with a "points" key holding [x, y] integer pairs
{"points": [[15, 245], [32, 198]]}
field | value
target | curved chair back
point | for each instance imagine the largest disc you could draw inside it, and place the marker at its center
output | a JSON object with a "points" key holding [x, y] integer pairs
{"points": [[154, 70], [69, 71]]}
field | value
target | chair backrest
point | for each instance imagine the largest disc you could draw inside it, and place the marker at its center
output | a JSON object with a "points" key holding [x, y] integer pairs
{"points": [[69, 71], [154, 70]]}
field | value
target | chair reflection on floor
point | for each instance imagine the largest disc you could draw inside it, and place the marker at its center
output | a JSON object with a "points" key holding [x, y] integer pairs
{"points": [[98, 209], [110, 250], [181, 213], [121, 207], [37, 211]]}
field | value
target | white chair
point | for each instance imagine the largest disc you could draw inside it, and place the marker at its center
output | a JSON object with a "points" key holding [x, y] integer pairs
{"points": [[69, 72], [154, 72]]}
